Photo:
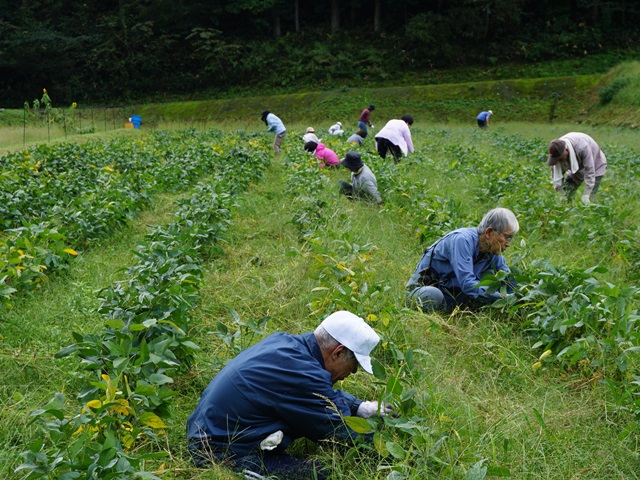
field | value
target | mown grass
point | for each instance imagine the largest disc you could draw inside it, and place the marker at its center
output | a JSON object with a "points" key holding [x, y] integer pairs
{"points": [[474, 371]]}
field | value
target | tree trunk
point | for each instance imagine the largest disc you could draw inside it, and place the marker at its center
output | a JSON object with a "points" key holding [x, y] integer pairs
{"points": [[277, 28], [377, 16], [335, 15], [296, 14]]}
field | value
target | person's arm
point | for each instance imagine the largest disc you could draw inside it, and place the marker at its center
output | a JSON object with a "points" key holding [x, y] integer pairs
{"points": [[588, 164], [315, 411], [406, 133], [372, 190]]}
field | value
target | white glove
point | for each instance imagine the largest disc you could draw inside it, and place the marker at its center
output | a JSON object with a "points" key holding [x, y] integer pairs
{"points": [[372, 127], [272, 441], [369, 409], [585, 199]]}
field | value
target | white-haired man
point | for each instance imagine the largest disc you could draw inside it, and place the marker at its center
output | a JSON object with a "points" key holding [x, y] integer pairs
{"points": [[281, 389], [450, 269]]}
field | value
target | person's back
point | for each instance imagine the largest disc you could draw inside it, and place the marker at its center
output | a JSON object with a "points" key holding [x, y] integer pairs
{"points": [[336, 129], [327, 155], [250, 399]]}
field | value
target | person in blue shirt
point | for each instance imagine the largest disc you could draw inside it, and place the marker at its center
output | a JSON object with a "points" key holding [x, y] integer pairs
{"points": [[450, 269], [279, 390], [483, 118], [275, 125]]}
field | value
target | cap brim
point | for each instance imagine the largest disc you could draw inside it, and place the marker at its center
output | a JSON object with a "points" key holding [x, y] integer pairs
{"points": [[364, 361], [551, 161]]}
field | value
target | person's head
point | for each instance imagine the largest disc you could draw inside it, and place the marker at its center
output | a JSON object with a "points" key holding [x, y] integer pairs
{"points": [[408, 119], [372, 107], [496, 230], [264, 115], [345, 341], [361, 133], [310, 146], [558, 151], [310, 130], [490, 113], [352, 161], [339, 124]]}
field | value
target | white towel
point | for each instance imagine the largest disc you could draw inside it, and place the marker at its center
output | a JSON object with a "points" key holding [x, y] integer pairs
{"points": [[556, 170]]}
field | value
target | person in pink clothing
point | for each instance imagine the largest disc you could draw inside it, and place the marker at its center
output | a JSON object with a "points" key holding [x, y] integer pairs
{"points": [[395, 137], [327, 157]]}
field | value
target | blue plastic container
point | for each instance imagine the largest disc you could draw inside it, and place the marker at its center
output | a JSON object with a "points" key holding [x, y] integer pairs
{"points": [[136, 120]]}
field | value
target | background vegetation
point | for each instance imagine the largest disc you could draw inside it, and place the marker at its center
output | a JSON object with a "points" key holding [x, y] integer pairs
{"points": [[107, 52]]}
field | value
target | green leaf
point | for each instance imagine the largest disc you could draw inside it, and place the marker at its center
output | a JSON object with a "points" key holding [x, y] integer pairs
{"points": [[477, 471], [160, 379], [115, 323], [378, 370], [358, 424], [395, 450], [66, 351]]}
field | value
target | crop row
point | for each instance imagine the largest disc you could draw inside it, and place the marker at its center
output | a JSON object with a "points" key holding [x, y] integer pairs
{"points": [[58, 199], [129, 365]]}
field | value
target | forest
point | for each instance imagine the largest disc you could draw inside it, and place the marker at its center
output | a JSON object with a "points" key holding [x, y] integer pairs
{"points": [[99, 52]]}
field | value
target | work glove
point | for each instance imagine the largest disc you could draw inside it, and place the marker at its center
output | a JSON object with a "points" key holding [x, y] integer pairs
{"points": [[372, 127], [585, 199], [369, 409], [272, 441]]}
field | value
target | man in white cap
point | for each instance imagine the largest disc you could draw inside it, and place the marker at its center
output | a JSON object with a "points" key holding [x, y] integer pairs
{"points": [[574, 158], [279, 390]]}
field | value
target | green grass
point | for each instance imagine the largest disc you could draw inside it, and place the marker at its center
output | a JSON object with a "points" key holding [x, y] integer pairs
{"points": [[473, 372]]}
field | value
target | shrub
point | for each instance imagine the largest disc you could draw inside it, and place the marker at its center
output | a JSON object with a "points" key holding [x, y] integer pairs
{"points": [[609, 91]]}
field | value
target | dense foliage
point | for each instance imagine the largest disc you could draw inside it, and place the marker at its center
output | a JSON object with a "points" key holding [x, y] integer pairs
{"points": [[102, 51]]}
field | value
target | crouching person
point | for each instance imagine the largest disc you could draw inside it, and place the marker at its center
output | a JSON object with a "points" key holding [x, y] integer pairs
{"points": [[363, 181], [279, 390], [450, 269]]}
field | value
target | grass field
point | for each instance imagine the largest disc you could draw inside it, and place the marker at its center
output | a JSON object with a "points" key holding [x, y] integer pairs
{"points": [[480, 408]]}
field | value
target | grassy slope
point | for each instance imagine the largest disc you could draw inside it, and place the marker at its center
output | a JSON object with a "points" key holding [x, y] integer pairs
{"points": [[528, 99]]}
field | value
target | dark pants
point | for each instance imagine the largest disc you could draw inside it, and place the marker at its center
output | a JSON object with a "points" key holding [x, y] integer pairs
{"points": [[346, 188], [383, 145], [571, 184], [263, 464], [482, 123]]}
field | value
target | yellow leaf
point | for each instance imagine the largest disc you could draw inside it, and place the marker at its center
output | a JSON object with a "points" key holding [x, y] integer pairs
{"points": [[70, 251], [127, 441], [122, 406], [152, 420], [545, 355], [372, 318], [93, 404], [537, 365]]}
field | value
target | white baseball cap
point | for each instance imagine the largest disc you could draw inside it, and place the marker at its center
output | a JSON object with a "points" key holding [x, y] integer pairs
{"points": [[354, 333]]}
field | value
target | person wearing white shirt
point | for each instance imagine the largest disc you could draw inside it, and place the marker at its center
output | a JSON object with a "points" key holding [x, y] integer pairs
{"points": [[336, 129], [395, 137]]}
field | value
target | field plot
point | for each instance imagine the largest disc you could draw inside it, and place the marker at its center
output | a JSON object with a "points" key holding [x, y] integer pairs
{"points": [[478, 393]]}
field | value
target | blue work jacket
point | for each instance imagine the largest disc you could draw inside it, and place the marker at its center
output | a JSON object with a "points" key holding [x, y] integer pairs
{"points": [[278, 384], [459, 265]]}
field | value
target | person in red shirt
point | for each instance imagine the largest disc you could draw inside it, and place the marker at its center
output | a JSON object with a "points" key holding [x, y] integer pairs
{"points": [[364, 119]]}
